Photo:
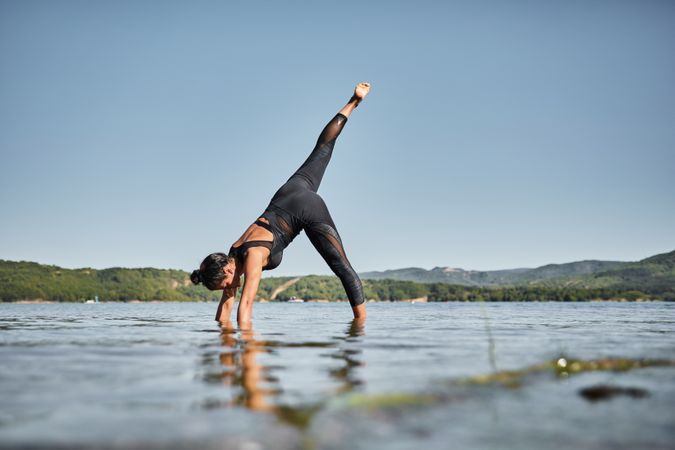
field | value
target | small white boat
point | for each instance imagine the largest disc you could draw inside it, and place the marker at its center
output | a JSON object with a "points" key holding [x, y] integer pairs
{"points": [[295, 300], [95, 300]]}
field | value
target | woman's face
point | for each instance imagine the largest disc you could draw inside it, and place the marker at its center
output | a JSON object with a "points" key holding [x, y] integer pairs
{"points": [[230, 280]]}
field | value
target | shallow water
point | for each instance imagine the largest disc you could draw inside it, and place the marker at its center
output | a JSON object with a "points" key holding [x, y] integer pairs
{"points": [[166, 375]]}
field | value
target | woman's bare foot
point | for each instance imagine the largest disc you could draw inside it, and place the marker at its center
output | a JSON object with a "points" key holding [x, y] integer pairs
{"points": [[361, 90], [359, 312]]}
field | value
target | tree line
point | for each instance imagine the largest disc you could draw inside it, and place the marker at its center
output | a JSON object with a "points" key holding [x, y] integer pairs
{"points": [[32, 281]]}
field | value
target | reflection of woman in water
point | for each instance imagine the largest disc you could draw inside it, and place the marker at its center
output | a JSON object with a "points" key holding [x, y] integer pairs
{"points": [[257, 388], [243, 370], [296, 206]]}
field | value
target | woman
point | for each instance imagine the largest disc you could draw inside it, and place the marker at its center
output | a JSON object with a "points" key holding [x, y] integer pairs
{"points": [[295, 207]]}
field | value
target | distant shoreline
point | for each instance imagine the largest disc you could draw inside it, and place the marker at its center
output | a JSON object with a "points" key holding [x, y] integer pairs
{"points": [[652, 279]]}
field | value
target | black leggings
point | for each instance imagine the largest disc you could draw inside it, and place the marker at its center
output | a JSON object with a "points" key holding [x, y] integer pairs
{"points": [[307, 210]]}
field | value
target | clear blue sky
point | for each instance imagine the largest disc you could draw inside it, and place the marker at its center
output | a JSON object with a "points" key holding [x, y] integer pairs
{"points": [[497, 134]]}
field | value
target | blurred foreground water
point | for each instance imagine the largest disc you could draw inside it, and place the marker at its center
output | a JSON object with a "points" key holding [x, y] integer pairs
{"points": [[438, 375]]}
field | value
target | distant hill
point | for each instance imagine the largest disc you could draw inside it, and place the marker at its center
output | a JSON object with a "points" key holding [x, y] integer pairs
{"points": [[655, 273], [651, 275], [494, 277]]}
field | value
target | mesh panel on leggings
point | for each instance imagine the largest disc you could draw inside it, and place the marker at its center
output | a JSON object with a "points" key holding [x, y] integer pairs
{"points": [[284, 226], [332, 130], [337, 244]]}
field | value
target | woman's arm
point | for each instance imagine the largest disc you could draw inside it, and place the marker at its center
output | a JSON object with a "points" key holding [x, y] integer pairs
{"points": [[252, 273], [226, 304]]}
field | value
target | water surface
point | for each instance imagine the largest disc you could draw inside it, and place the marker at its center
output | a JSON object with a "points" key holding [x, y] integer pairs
{"points": [[117, 375]]}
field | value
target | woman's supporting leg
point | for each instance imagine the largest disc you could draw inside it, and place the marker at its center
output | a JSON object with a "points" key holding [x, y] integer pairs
{"points": [[326, 240], [323, 234]]}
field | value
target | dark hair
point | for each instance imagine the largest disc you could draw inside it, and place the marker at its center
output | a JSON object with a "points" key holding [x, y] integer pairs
{"points": [[210, 271]]}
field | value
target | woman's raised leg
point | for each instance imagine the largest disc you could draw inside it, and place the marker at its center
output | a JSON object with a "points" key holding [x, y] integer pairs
{"points": [[311, 172]]}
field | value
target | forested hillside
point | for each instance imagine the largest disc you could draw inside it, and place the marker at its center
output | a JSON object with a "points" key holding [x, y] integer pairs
{"points": [[651, 278]]}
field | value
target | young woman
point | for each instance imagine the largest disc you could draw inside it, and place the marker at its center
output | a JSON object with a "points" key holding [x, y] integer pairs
{"points": [[295, 207]]}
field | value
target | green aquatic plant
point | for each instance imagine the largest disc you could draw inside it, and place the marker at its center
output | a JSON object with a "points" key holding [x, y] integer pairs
{"points": [[563, 367]]}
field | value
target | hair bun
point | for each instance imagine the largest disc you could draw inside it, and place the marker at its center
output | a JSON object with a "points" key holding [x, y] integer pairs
{"points": [[196, 277]]}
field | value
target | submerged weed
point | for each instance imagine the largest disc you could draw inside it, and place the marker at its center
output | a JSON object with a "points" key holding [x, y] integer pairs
{"points": [[563, 367]]}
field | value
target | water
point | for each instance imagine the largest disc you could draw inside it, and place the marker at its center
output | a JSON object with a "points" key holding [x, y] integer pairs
{"points": [[166, 375]]}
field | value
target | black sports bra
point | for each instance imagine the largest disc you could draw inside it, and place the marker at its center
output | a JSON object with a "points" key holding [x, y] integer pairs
{"points": [[274, 259]]}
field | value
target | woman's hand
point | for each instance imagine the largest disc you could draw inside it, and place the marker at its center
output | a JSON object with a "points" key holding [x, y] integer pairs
{"points": [[361, 90]]}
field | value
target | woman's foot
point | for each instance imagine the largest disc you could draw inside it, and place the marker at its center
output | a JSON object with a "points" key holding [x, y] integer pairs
{"points": [[361, 91]]}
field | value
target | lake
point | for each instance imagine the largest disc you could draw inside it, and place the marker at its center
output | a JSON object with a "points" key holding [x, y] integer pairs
{"points": [[436, 375]]}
